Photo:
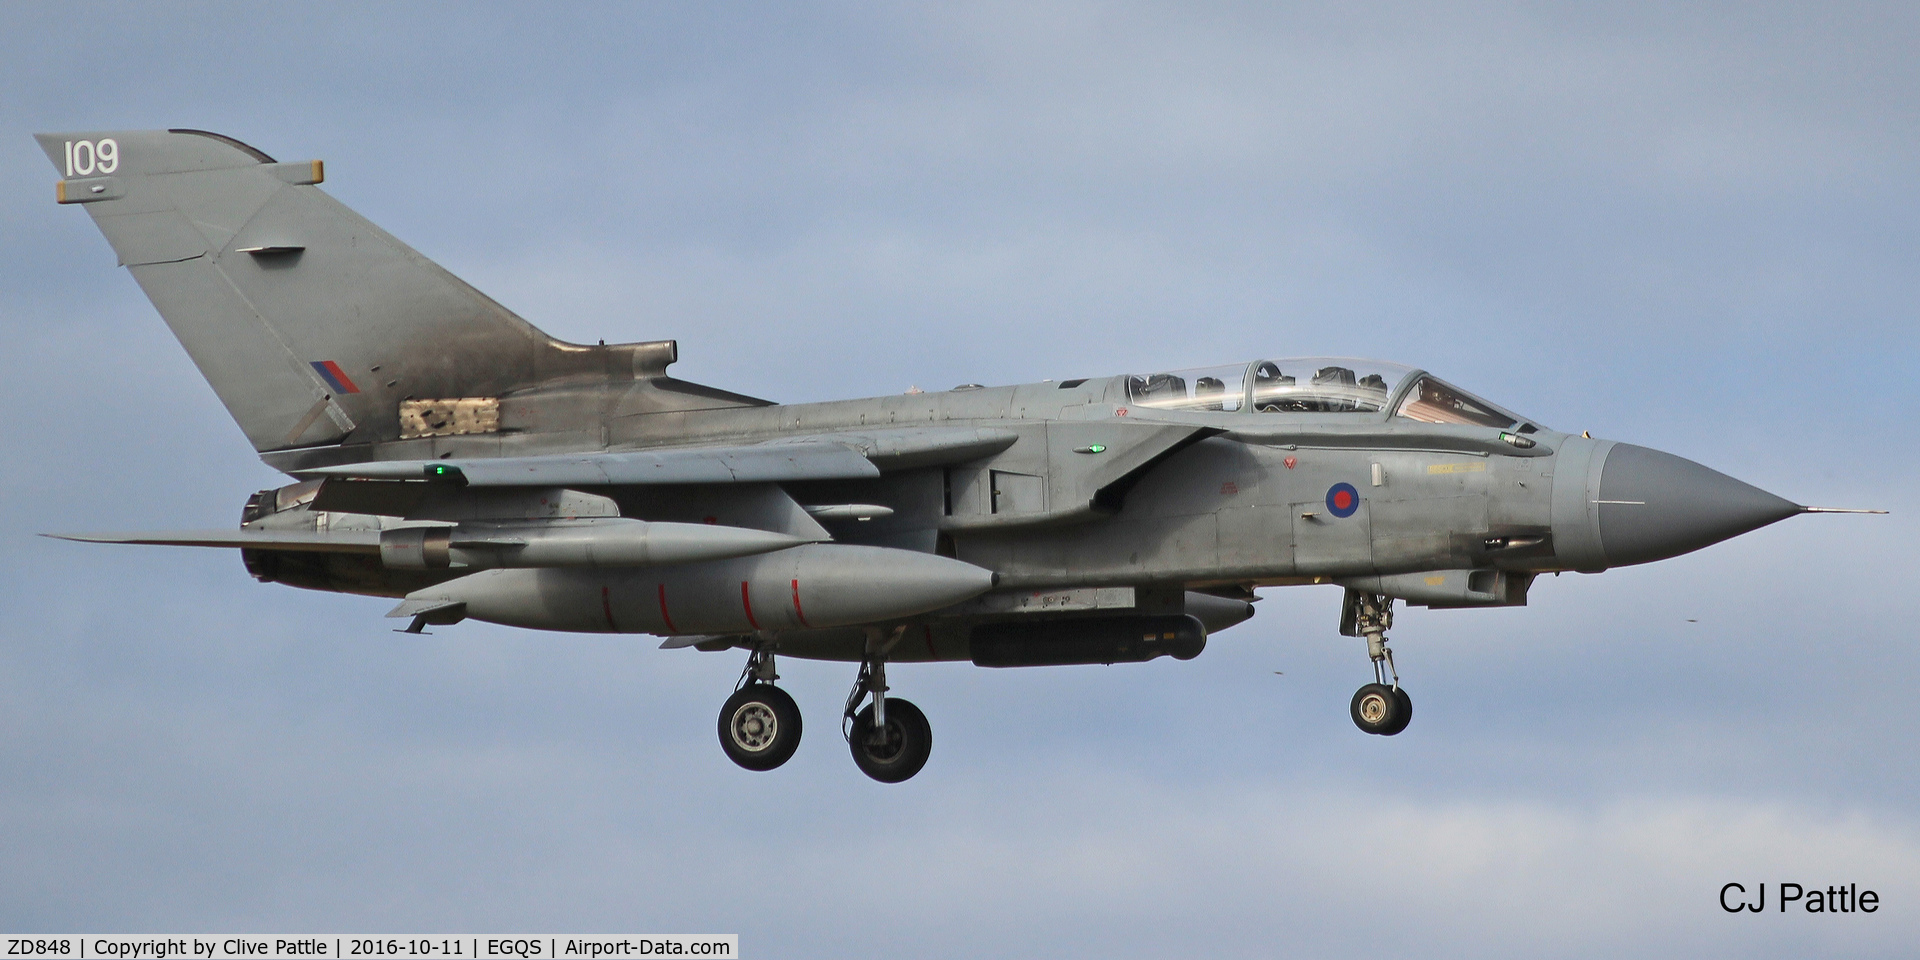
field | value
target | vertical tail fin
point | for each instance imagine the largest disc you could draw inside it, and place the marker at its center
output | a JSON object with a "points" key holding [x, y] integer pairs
{"points": [[312, 325]]}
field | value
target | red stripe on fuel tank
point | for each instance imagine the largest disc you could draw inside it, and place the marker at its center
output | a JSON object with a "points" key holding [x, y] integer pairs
{"points": [[663, 612], [796, 605], [746, 602], [606, 607]]}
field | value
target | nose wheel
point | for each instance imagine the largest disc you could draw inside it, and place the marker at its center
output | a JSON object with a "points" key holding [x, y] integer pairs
{"points": [[1378, 708], [1381, 707], [760, 723]]}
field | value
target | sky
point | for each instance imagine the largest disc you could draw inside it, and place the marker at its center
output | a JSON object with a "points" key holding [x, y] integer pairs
{"points": [[1691, 227]]}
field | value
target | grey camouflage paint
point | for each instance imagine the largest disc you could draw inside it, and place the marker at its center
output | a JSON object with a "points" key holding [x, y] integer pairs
{"points": [[347, 357]]}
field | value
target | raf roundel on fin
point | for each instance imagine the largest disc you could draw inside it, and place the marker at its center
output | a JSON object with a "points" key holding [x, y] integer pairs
{"points": [[334, 376]]}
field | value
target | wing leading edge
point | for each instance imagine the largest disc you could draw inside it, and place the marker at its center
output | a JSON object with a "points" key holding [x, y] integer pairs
{"points": [[749, 464]]}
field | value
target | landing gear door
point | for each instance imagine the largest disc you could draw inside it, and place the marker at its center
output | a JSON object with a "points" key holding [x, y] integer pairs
{"points": [[1325, 543]]}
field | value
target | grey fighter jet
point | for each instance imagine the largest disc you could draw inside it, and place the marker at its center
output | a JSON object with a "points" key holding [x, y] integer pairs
{"points": [[448, 454]]}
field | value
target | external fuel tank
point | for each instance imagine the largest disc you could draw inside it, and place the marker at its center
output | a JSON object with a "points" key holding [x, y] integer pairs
{"points": [[816, 585]]}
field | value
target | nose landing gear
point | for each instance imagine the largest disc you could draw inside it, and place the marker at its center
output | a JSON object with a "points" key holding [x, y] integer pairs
{"points": [[760, 723], [1380, 707]]}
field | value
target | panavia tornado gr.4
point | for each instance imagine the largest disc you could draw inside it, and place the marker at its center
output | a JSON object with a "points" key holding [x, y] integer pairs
{"points": [[448, 454]]}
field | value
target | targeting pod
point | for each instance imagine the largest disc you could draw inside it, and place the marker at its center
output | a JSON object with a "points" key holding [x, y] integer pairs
{"points": [[1055, 643]]}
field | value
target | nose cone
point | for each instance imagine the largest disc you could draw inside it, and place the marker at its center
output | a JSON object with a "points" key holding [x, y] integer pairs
{"points": [[1655, 505]]}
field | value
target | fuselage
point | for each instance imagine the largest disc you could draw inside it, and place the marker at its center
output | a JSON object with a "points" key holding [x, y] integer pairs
{"points": [[1396, 483]]}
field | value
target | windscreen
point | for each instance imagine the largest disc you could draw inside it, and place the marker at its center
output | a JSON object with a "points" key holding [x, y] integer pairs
{"points": [[1433, 401]]}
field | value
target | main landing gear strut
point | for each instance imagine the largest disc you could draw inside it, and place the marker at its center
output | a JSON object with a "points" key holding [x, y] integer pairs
{"points": [[890, 737], [1380, 707]]}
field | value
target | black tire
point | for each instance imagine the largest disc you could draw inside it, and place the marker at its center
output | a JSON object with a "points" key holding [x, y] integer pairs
{"points": [[1375, 709], [759, 726], [1403, 711], [901, 752]]}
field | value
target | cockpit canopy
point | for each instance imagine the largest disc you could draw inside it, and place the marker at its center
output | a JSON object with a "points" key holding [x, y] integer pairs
{"points": [[1316, 385]]}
